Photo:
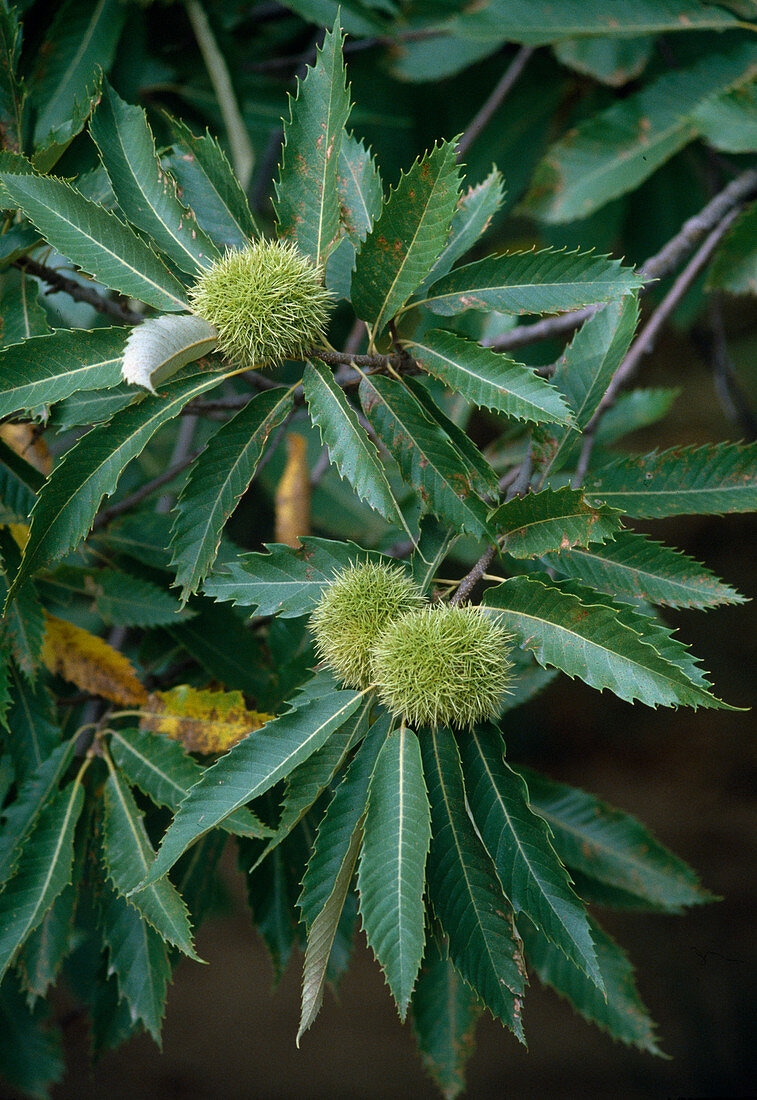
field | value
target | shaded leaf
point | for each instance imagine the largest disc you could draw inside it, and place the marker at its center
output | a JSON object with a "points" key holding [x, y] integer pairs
{"points": [[611, 846], [592, 642], [553, 519], [613, 61], [47, 368], [202, 721], [124, 600], [636, 409], [19, 483], [208, 185], [635, 567], [475, 209], [60, 137], [33, 732], [217, 480], [11, 92], [229, 652], [487, 377], [271, 890], [250, 769], [613, 151], [67, 505], [89, 662], [427, 459], [465, 891], [96, 240], [585, 370], [31, 1053], [734, 265], [21, 314], [307, 208], [548, 281], [407, 237], [41, 957], [350, 448], [24, 625], [311, 778], [707, 480], [286, 581], [728, 122], [392, 874], [532, 876], [339, 824], [145, 192], [536, 22], [620, 1012], [163, 771], [22, 815], [43, 871], [445, 1012], [138, 958], [321, 935], [82, 38], [128, 853]]}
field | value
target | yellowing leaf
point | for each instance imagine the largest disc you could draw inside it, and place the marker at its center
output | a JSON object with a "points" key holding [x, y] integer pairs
{"points": [[293, 494], [25, 441], [20, 533], [90, 663], [203, 721]]}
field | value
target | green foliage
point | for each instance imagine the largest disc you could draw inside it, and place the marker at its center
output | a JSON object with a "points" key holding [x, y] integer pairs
{"points": [[488, 506], [406, 238], [307, 204], [145, 194], [393, 863], [216, 483]]}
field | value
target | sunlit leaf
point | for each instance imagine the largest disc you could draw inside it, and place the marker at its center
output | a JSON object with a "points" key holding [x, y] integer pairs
{"points": [[391, 879], [202, 721], [307, 207], [145, 192], [407, 237]]}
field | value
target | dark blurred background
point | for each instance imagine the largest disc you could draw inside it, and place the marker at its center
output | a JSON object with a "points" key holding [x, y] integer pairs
{"points": [[690, 776]]}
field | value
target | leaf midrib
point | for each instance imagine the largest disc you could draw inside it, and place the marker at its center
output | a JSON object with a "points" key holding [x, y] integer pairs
{"points": [[153, 209], [535, 878], [617, 653], [463, 867]]}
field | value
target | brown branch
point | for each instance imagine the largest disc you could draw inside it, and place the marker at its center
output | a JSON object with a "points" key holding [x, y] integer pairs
{"points": [[644, 342], [492, 104], [77, 291], [662, 263], [150, 487], [518, 487]]}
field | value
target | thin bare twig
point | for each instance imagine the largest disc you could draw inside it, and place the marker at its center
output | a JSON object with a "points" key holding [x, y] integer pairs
{"points": [[182, 448], [518, 487], [644, 342], [80, 293], [146, 490], [492, 104], [242, 153], [662, 263]]}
